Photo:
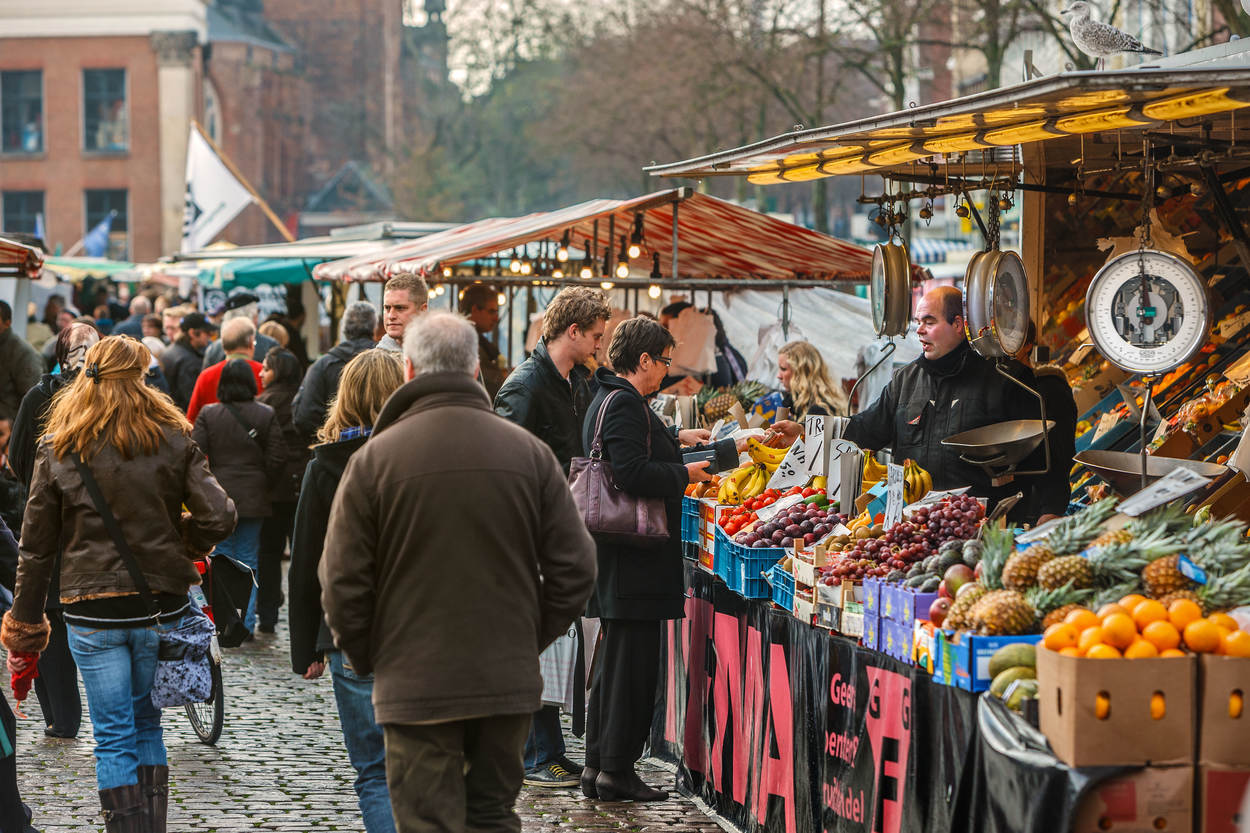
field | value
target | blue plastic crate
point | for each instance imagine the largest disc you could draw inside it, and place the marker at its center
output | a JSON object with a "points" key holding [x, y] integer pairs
{"points": [[743, 567], [783, 587], [689, 520]]}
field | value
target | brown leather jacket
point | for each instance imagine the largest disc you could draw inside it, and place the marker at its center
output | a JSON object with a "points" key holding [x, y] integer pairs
{"points": [[147, 495]]}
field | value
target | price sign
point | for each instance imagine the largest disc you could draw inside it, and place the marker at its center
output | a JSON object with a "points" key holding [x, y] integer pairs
{"points": [[1080, 353], [1105, 423], [893, 495], [769, 512], [814, 439], [1241, 455], [793, 469], [1176, 483], [848, 468], [834, 449]]}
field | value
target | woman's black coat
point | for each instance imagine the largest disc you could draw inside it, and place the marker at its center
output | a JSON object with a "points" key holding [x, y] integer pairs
{"points": [[641, 582]]}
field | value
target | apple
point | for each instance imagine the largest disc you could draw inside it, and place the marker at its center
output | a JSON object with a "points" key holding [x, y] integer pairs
{"points": [[966, 588], [938, 610], [944, 590], [956, 577]]}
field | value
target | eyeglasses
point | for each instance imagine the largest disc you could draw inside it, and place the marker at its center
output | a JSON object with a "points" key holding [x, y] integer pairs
{"points": [[667, 361]]}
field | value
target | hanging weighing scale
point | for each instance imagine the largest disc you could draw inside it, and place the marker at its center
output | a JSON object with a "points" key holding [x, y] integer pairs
{"points": [[1147, 313], [889, 298], [996, 322]]}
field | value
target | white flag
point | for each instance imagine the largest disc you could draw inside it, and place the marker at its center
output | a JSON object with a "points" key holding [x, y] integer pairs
{"points": [[214, 196]]}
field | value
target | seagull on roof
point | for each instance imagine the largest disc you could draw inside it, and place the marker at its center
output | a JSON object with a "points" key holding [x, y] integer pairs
{"points": [[1100, 40]]}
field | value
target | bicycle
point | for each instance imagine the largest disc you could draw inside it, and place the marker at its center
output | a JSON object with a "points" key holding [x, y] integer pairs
{"points": [[208, 718]]}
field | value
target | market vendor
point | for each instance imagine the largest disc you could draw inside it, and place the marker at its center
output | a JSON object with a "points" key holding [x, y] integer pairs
{"points": [[949, 389]]}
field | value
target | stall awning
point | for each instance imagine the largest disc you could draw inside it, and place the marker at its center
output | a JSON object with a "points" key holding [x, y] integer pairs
{"points": [[315, 249], [983, 130], [18, 259], [932, 250], [717, 239]]}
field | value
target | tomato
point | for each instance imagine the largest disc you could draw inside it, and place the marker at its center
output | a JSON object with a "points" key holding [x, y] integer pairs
{"points": [[768, 501], [808, 492]]}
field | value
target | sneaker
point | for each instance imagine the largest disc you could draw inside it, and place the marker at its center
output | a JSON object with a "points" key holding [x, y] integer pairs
{"points": [[573, 768], [552, 775]]}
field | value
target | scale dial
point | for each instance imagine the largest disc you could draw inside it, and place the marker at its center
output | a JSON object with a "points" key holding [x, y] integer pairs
{"points": [[996, 303], [1147, 312], [889, 287]]}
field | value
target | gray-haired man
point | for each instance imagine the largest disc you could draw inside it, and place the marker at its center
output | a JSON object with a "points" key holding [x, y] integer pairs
{"points": [[322, 381], [449, 609]]}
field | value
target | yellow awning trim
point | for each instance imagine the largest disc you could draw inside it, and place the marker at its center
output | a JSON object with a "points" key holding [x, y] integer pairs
{"points": [[1018, 134], [1100, 120], [1192, 104], [955, 144]]}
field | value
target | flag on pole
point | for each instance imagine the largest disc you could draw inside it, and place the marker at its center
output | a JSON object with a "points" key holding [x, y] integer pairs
{"points": [[96, 242], [39, 230], [214, 195]]}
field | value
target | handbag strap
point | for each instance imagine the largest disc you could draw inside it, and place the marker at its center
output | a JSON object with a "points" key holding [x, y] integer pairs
{"points": [[251, 432], [596, 444], [115, 532]]}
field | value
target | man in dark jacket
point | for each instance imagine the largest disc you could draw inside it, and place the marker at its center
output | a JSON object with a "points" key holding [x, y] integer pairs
{"points": [[240, 305], [400, 605], [20, 365], [547, 395], [322, 381], [480, 304], [948, 390], [140, 307], [184, 359]]}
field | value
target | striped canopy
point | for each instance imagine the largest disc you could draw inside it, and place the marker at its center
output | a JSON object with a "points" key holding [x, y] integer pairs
{"points": [[716, 239], [18, 258]]}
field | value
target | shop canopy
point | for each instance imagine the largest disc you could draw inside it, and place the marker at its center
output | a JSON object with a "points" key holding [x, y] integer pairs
{"points": [[707, 238], [1088, 114], [19, 260]]}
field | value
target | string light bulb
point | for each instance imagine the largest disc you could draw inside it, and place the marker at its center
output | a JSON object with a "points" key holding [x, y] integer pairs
{"points": [[514, 265], [653, 291], [446, 271], [432, 294], [655, 270], [622, 269], [502, 298], [526, 267], [557, 272], [587, 273], [606, 284], [440, 290], [562, 253], [635, 239]]}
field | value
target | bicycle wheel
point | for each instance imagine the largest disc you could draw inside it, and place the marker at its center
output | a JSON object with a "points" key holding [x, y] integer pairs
{"points": [[207, 717]]}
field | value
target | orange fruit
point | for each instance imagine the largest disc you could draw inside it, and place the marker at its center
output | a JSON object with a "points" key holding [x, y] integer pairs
{"points": [[1089, 638], [1162, 634], [1061, 635], [1131, 601], [1147, 611], [1102, 652], [1202, 636], [1108, 609], [1158, 706], [1141, 649], [1070, 651], [1224, 621], [1081, 619], [1183, 611], [1119, 630], [1236, 644], [1169, 653]]}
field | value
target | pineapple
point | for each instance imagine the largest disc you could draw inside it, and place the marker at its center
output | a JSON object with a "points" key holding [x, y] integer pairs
{"points": [[1068, 569], [997, 547], [1219, 547], [1003, 612], [1227, 591], [1059, 614], [1163, 577], [957, 616], [1020, 571], [1181, 594], [717, 407], [1075, 532], [1119, 536], [1120, 563], [1065, 597]]}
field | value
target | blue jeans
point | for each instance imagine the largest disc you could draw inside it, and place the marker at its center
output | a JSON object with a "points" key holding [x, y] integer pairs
{"points": [[364, 741], [243, 546], [117, 667], [545, 743]]}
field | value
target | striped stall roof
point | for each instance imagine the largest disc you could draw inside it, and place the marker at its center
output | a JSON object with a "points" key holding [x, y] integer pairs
{"points": [[19, 258], [717, 239]]}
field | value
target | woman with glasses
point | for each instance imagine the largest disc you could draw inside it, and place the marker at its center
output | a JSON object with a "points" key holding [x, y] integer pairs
{"points": [[638, 586]]}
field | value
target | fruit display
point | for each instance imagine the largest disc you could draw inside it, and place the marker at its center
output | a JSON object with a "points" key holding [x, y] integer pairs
{"points": [[740, 518], [715, 403], [751, 480], [1136, 627], [803, 524], [916, 481], [1013, 670], [707, 488]]}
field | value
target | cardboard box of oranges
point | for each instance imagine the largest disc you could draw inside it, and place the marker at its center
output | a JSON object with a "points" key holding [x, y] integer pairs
{"points": [[1223, 725], [1150, 800]]}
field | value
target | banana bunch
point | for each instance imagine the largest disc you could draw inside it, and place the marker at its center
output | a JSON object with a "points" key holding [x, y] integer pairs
{"points": [[743, 483], [769, 458], [861, 520], [874, 472], [916, 482]]}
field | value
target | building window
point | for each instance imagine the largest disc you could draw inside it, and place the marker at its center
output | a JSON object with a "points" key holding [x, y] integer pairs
{"points": [[21, 210], [104, 110], [102, 204], [21, 111]]}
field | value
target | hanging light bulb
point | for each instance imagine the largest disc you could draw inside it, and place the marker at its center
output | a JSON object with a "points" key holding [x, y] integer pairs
{"points": [[562, 253], [622, 261], [655, 269], [961, 210], [432, 294], [622, 269], [503, 298], [446, 271], [440, 290], [526, 267], [588, 266], [514, 265], [606, 284], [557, 272], [586, 273], [653, 291], [635, 239]]}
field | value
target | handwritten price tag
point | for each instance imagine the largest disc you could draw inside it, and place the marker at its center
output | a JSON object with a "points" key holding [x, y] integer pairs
{"points": [[893, 495], [793, 469], [814, 439], [1174, 484]]}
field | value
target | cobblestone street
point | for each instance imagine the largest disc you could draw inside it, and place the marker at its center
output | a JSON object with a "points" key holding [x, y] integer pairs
{"points": [[280, 765]]}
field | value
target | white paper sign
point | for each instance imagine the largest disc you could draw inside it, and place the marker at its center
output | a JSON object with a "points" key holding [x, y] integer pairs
{"points": [[1240, 459], [814, 439], [848, 471], [893, 495], [1080, 353], [1176, 483], [1105, 423], [769, 512], [834, 450], [1039, 532], [1233, 326], [793, 469]]}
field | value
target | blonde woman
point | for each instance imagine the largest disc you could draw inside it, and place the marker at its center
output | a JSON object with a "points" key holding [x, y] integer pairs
{"points": [[137, 447], [367, 382], [805, 380]]}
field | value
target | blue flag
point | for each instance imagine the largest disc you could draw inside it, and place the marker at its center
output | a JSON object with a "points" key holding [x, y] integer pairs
{"points": [[96, 243], [39, 230]]}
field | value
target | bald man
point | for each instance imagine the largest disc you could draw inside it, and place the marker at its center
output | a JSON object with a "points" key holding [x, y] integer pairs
{"points": [[238, 339], [949, 389]]}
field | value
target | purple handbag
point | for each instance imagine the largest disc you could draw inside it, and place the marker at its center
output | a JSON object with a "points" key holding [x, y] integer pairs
{"points": [[608, 511]]}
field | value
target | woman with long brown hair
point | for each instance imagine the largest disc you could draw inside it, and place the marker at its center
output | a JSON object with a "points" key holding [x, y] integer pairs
{"points": [[136, 445], [804, 378], [367, 382]]}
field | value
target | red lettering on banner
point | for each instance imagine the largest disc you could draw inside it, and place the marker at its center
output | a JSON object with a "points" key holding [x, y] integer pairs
{"points": [[842, 694], [694, 752], [889, 733], [727, 706], [777, 774], [844, 801], [670, 681], [753, 700]]}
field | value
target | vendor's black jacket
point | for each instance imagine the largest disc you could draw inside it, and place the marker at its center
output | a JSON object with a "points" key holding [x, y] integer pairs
{"points": [[536, 397], [310, 636], [927, 401], [642, 582]]}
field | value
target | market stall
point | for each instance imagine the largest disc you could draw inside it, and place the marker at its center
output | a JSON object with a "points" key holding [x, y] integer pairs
{"points": [[1116, 637], [19, 264]]}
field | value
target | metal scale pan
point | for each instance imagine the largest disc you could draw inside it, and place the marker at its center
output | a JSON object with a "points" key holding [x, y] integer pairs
{"points": [[1001, 445], [1122, 469]]}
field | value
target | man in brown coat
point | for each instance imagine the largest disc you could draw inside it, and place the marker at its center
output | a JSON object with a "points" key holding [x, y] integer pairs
{"points": [[454, 555]]}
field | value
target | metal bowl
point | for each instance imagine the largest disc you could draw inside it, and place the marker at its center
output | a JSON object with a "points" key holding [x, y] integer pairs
{"points": [[999, 444], [1122, 469]]}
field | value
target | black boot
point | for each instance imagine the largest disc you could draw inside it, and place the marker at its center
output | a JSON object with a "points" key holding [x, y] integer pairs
{"points": [[123, 809], [625, 786], [588, 782], [155, 783]]}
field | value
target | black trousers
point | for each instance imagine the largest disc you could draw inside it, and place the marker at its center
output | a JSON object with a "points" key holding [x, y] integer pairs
{"points": [[622, 693], [57, 683], [275, 532], [12, 810], [458, 777]]}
